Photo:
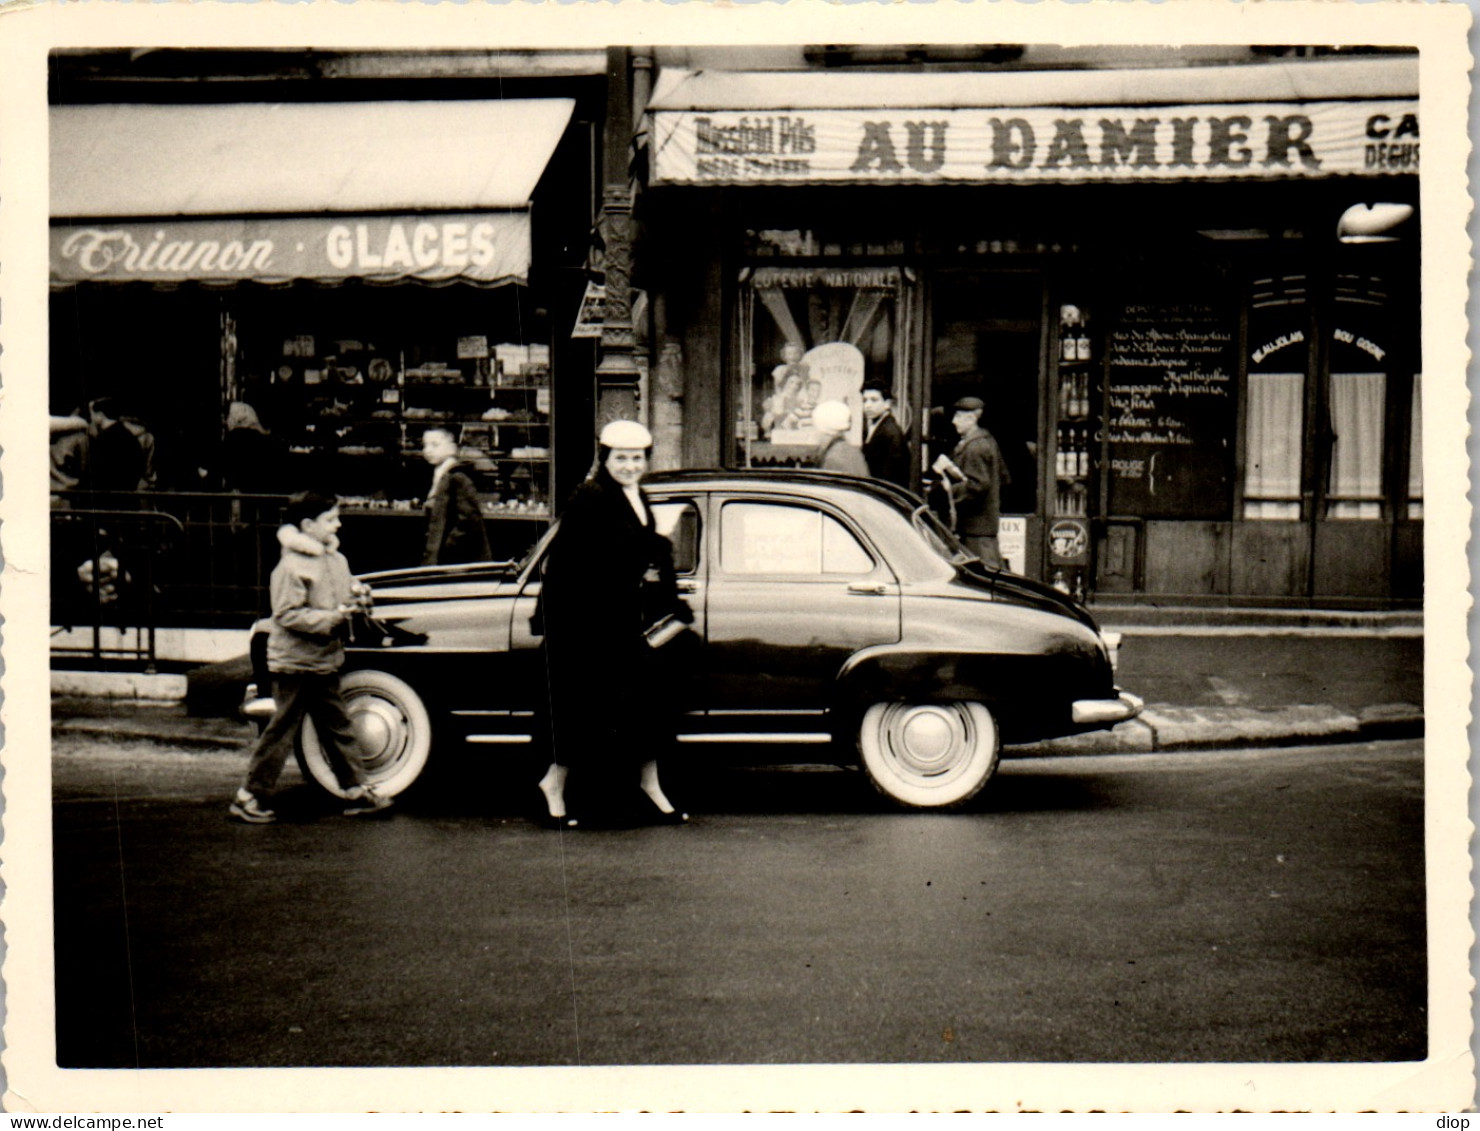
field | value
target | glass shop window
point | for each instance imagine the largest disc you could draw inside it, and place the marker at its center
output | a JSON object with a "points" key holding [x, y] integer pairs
{"points": [[808, 335], [1356, 408], [1356, 404], [762, 538], [1274, 430]]}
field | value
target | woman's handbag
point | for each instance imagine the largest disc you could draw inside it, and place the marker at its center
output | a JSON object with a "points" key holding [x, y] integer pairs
{"points": [[664, 631]]}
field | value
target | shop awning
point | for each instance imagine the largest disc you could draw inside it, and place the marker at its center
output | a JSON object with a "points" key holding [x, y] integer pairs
{"points": [[387, 190], [1275, 81], [1297, 118]]}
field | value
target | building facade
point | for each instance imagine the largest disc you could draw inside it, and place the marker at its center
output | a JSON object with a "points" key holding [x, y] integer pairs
{"points": [[289, 272], [1184, 283]]}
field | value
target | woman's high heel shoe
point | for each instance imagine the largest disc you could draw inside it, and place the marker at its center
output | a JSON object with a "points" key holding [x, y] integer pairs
{"points": [[546, 821], [673, 817]]}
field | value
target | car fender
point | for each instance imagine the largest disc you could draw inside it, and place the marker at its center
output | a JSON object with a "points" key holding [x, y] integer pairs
{"points": [[1030, 694]]}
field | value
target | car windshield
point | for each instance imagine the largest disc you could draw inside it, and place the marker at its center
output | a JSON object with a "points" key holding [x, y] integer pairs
{"points": [[532, 555], [941, 540]]}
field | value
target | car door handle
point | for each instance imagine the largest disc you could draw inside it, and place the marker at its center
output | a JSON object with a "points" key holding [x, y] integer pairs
{"points": [[688, 587], [868, 588]]}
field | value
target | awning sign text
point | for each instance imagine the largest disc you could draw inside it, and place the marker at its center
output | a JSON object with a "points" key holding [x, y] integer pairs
{"points": [[489, 248], [1251, 140]]}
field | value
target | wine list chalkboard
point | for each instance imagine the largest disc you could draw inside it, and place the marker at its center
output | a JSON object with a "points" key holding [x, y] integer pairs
{"points": [[1170, 409]]}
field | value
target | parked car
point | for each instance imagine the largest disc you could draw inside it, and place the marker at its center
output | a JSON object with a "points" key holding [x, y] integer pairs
{"points": [[835, 619]]}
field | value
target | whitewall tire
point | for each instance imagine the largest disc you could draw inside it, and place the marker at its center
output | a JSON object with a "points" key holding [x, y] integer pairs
{"points": [[929, 755], [394, 729]]}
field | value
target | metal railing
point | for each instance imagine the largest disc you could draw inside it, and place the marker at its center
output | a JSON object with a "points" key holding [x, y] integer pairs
{"points": [[105, 576], [207, 557]]}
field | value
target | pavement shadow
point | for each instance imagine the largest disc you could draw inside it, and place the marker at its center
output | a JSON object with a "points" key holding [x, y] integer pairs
{"points": [[506, 788]]}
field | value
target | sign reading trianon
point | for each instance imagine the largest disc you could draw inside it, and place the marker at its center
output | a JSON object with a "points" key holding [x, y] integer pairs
{"points": [[488, 248], [1026, 144]]}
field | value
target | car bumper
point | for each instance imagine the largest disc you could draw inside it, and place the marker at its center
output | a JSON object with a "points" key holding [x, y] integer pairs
{"points": [[1107, 712]]}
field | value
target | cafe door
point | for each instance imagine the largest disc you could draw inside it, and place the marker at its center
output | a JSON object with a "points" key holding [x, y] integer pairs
{"points": [[986, 334]]}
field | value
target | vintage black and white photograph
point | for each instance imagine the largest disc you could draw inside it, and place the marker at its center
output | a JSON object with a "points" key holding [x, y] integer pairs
{"points": [[668, 565]]}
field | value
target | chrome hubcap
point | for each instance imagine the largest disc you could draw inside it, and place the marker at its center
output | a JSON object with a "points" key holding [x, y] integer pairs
{"points": [[928, 741], [382, 729]]}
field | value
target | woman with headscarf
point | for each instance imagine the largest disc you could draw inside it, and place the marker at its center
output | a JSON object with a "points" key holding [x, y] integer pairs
{"points": [[247, 463], [608, 579]]}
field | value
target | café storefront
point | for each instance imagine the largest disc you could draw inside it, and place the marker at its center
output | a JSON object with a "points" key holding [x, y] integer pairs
{"points": [[1197, 343], [329, 267]]}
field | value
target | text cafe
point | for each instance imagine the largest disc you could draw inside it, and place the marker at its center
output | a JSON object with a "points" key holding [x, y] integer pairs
{"points": [[366, 290], [1188, 297]]}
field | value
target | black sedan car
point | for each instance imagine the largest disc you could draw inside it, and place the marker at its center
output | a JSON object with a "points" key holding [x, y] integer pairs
{"points": [[835, 619]]}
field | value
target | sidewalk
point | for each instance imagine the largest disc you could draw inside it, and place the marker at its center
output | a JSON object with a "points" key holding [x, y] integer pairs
{"points": [[1209, 685]]}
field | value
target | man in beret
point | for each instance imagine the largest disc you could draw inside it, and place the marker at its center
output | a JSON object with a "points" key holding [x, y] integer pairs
{"points": [[975, 473], [885, 449]]}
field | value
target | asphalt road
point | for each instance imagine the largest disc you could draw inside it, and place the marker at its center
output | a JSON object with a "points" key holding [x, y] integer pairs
{"points": [[1241, 906]]}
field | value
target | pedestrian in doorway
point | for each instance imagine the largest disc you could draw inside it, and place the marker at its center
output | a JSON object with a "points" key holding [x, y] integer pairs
{"points": [[313, 598], [885, 449], [455, 530], [608, 583], [974, 473], [832, 420]]}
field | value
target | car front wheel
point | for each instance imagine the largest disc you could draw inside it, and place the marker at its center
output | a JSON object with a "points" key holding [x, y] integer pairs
{"points": [[393, 727], [929, 755]]}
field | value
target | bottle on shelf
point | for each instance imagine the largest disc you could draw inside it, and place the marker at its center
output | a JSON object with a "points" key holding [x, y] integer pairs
{"points": [[1060, 581]]}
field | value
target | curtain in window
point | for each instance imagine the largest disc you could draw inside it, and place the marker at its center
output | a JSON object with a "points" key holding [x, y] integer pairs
{"points": [[1415, 451], [1276, 426], [1356, 455]]}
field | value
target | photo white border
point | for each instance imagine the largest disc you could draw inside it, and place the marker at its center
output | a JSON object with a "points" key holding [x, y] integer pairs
{"points": [[1445, 1082]]}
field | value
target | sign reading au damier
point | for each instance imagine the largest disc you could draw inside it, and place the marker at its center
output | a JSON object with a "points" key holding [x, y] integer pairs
{"points": [[1038, 143], [1170, 408]]}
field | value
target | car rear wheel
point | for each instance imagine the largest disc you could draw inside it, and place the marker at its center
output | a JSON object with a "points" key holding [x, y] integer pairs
{"points": [[929, 755], [393, 727]]}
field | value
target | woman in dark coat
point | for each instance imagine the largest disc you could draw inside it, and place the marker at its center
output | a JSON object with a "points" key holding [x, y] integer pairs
{"points": [[608, 578]]}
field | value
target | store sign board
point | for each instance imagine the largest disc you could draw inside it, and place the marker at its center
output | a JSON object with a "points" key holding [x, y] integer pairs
{"points": [[1068, 542], [592, 315], [482, 248], [1012, 543], [1040, 143]]}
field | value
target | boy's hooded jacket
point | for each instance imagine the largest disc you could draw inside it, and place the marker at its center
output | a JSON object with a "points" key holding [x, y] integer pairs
{"points": [[309, 584]]}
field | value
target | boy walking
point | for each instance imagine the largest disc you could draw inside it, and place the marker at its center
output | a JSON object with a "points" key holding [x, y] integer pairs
{"points": [[313, 598]]}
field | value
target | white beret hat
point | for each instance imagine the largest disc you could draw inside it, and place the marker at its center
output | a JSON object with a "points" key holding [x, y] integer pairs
{"points": [[832, 416], [625, 434]]}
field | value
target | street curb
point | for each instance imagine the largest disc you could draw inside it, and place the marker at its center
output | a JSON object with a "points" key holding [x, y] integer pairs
{"points": [[120, 685], [1162, 728]]}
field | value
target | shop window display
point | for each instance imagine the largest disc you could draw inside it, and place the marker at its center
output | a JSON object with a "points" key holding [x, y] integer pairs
{"points": [[811, 335], [349, 412]]}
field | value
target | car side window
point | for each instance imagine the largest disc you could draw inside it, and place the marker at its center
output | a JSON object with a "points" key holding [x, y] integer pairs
{"points": [[679, 523], [767, 538]]}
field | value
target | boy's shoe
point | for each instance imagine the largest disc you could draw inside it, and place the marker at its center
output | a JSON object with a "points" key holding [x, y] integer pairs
{"points": [[364, 799], [245, 807]]}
